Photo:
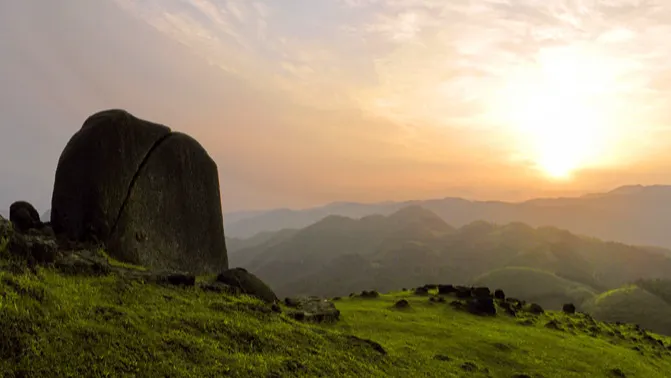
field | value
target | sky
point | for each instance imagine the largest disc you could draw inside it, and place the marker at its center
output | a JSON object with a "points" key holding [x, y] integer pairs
{"points": [[305, 102]]}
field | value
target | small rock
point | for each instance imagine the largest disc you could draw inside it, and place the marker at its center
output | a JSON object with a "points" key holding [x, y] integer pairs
{"points": [[617, 373], [535, 309], [553, 324], [480, 292], [463, 292], [569, 308], [34, 248], [84, 263], [402, 304], [375, 345], [446, 289], [247, 283], [499, 294], [313, 309], [369, 294], [441, 357], [176, 278], [218, 287], [469, 366], [481, 306], [421, 291], [24, 217]]}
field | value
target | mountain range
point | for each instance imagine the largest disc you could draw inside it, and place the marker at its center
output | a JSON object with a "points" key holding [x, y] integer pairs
{"points": [[637, 215], [414, 246]]}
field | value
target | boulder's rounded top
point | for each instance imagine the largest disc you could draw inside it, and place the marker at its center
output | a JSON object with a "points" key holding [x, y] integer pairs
{"points": [[115, 117]]}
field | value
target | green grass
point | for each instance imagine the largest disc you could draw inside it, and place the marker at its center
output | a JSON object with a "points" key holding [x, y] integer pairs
{"points": [[536, 285], [120, 264], [53, 325], [502, 344], [632, 304]]}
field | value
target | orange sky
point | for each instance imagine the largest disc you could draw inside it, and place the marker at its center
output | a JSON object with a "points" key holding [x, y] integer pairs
{"points": [[359, 100]]}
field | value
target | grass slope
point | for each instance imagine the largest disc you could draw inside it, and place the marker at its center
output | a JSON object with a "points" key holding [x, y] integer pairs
{"points": [[535, 285], [632, 304], [499, 347], [57, 326], [65, 326]]}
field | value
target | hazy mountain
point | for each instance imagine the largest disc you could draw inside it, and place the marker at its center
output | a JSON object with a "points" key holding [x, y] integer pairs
{"points": [[46, 216], [414, 246], [637, 215]]}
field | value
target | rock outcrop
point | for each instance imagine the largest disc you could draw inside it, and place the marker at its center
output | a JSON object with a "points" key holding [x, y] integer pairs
{"points": [[247, 283], [149, 195], [312, 309]]}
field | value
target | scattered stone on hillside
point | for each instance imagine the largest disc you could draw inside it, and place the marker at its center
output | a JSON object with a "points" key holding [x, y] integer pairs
{"points": [[499, 294], [83, 262], [519, 375], [247, 283], [463, 292], [535, 309], [481, 306], [431, 286], [421, 291], [35, 249], [334, 299], [370, 343], [568, 308], [617, 373], [312, 309], [457, 304], [479, 292], [441, 357], [24, 217], [446, 289], [436, 299], [402, 304], [218, 287], [352, 295], [176, 278], [469, 366], [508, 308], [553, 324], [526, 322], [404, 289], [149, 195], [369, 294]]}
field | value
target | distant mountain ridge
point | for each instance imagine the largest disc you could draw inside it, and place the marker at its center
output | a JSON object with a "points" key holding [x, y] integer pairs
{"points": [[635, 214], [412, 246]]}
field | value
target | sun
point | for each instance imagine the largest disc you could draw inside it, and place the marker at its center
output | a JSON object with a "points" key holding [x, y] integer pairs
{"points": [[558, 108]]}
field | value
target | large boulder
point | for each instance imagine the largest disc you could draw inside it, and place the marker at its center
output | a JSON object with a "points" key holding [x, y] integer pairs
{"points": [[150, 195]]}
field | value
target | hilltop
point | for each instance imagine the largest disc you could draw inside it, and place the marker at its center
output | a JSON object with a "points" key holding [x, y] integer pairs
{"points": [[631, 214]]}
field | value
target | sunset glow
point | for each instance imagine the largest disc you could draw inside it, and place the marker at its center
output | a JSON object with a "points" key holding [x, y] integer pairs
{"points": [[560, 107]]}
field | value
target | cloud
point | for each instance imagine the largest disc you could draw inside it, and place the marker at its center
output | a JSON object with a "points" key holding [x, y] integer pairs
{"points": [[350, 95]]}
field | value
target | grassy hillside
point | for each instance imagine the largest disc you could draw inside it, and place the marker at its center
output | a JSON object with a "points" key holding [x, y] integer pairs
{"points": [[634, 304], [538, 286], [54, 325], [436, 339], [414, 246]]}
